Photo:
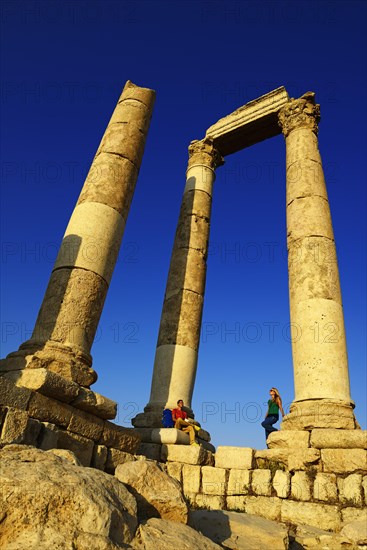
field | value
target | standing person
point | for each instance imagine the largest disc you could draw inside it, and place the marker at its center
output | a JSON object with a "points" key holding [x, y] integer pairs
{"points": [[179, 417], [272, 415]]}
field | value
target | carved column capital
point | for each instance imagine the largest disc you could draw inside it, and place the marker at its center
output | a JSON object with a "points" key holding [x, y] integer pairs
{"points": [[203, 152], [300, 113]]}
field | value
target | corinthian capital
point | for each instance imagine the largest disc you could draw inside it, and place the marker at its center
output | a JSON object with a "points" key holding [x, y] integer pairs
{"points": [[203, 152], [300, 113]]}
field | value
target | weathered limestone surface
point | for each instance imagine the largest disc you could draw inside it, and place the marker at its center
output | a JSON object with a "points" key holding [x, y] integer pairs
{"points": [[356, 532], [156, 493], [339, 439], [340, 461], [238, 482], [308, 513], [282, 483], [170, 436], [174, 469], [240, 458], [288, 439], [261, 482], [191, 479], [301, 486], [235, 530], [209, 502], [161, 534], [303, 459], [188, 454], [325, 487], [266, 507], [350, 490], [47, 502], [251, 123], [214, 480]]}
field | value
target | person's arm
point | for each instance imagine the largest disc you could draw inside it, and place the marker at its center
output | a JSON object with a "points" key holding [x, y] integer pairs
{"points": [[174, 415]]}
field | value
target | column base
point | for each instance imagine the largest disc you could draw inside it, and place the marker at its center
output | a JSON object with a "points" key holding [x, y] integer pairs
{"points": [[152, 416], [68, 362], [320, 413]]}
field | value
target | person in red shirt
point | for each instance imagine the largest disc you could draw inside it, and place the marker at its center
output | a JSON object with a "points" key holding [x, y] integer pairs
{"points": [[179, 417]]}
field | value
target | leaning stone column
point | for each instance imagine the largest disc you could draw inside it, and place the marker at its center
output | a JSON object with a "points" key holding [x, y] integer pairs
{"points": [[179, 334], [322, 393], [70, 312]]}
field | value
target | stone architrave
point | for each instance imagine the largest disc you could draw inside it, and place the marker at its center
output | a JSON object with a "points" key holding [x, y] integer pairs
{"points": [[321, 378], [73, 302], [179, 334]]}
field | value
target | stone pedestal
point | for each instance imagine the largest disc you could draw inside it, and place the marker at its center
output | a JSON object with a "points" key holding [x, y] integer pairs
{"points": [[321, 378], [70, 312], [179, 334]]}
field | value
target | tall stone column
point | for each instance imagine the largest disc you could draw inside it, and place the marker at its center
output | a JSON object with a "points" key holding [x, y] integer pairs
{"points": [[73, 302], [322, 392], [179, 334]]}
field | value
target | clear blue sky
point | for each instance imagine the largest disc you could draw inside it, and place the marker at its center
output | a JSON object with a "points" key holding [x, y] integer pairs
{"points": [[64, 65]]}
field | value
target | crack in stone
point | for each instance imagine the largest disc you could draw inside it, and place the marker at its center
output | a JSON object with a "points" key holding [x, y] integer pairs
{"points": [[82, 268], [116, 155], [307, 196]]}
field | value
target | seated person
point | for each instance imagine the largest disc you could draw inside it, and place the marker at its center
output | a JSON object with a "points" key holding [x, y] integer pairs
{"points": [[181, 421]]}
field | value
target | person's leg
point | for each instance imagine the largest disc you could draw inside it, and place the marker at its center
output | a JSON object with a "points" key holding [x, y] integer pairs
{"points": [[180, 424], [267, 424]]}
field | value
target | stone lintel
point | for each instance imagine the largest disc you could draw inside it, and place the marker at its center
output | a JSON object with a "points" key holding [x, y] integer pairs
{"points": [[251, 123]]}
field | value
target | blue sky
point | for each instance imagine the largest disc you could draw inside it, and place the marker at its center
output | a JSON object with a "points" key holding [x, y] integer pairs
{"points": [[63, 67]]}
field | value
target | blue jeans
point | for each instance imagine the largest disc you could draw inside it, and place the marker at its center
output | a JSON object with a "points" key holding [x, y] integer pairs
{"points": [[268, 424]]}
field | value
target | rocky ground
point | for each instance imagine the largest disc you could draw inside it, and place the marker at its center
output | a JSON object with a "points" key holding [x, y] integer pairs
{"points": [[50, 502]]}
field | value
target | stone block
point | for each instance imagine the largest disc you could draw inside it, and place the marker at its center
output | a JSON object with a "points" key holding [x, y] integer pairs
{"points": [[350, 490], [86, 425], [150, 450], [324, 516], [364, 486], [303, 459], [289, 439], [80, 446], [46, 382], [191, 479], [240, 458], [19, 428], [49, 436], [174, 469], [343, 461], [238, 482], [123, 439], [188, 454], [350, 514], [356, 532], [272, 456], [282, 483], [325, 488], [96, 404], [301, 486], [210, 502], [339, 439], [12, 396], [261, 482], [266, 507], [170, 436], [214, 480], [236, 503], [116, 457], [47, 409], [99, 457]]}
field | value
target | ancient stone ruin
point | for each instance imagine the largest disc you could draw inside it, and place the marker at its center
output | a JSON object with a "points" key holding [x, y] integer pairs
{"points": [[315, 470]]}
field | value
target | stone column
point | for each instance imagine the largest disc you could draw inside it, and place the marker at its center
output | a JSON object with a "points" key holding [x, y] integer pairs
{"points": [[179, 334], [322, 393], [73, 302]]}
